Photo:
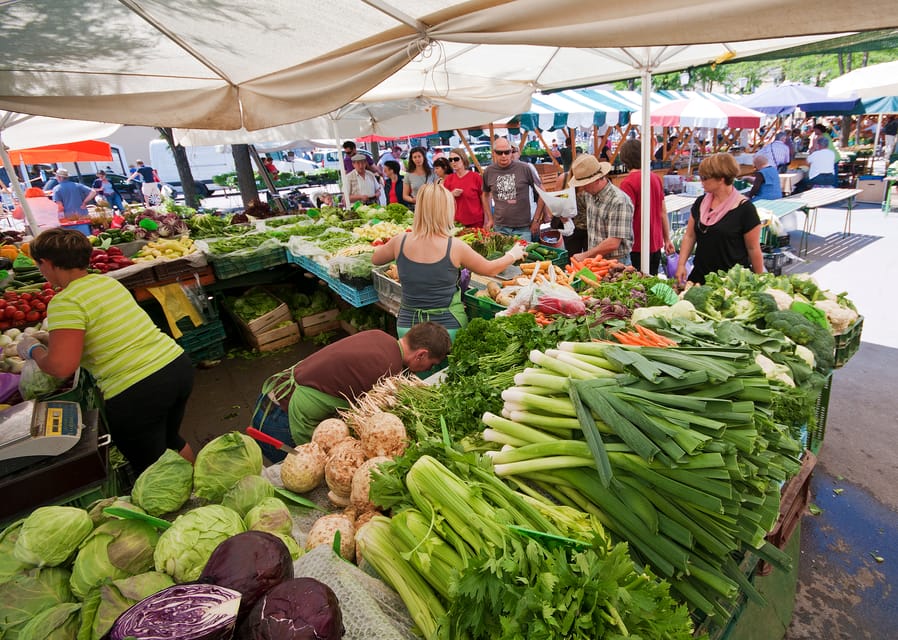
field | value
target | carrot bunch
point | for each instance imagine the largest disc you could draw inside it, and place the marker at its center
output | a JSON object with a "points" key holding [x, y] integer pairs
{"points": [[643, 337], [598, 265], [541, 318]]}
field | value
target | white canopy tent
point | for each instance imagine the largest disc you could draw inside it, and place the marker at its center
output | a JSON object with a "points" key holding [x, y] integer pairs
{"points": [[257, 64]]}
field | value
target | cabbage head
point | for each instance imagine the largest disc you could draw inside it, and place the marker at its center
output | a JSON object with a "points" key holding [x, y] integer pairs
{"points": [[224, 461], [292, 545], [59, 622], [247, 493], [98, 516], [185, 547], [10, 566], [165, 485], [50, 535], [116, 549], [28, 594], [271, 515], [108, 601]]}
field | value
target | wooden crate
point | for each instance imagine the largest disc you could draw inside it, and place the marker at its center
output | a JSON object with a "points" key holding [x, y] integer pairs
{"points": [[348, 328], [269, 320], [274, 339], [320, 323]]}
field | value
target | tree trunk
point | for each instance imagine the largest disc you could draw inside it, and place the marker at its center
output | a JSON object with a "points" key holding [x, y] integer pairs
{"points": [[246, 180], [191, 199]]}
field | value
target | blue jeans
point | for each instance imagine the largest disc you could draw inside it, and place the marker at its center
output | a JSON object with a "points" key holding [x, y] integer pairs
{"points": [[272, 420], [523, 232]]}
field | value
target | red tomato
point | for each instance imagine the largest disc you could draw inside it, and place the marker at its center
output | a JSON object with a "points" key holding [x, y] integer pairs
{"points": [[24, 307], [4, 324], [26, 296], [48, 286], [33, 316], [18, 315], [40, 306], [2, 303], [9, 312]]}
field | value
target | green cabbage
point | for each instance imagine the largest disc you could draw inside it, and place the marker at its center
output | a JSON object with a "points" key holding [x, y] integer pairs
{"points": [[59, 622], [50, 535], [108, 601], [10, 566], [115, 549], [165, 485], [292, 545], [224, 461], [28, 594], [271, 514], [184, 548], [247, 493], [98, 516]]}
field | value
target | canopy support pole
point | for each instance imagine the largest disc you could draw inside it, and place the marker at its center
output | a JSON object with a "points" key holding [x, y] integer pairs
{"points": [[646, 171], [344, 185], [17, 189], [467, 145], [875, 137]]}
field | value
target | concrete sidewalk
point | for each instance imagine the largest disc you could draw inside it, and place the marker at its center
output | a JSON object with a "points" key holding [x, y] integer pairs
{"points": [[844, 591]]}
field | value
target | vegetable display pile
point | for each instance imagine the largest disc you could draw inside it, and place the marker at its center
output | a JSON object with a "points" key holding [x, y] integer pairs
{"points": [[25, 306]]}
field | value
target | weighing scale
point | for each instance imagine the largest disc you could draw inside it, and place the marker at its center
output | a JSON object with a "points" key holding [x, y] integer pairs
{"points": [[33, 430]]}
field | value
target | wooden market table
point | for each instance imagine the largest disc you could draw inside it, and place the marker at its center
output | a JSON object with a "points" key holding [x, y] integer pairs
{"points": [[813, 199]]}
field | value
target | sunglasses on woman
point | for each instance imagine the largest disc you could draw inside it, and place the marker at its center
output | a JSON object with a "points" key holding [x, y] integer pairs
{"points": [[454, 159]]}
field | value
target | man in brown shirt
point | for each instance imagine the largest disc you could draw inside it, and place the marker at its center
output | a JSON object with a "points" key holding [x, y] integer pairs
{"points": [[294, 401]]}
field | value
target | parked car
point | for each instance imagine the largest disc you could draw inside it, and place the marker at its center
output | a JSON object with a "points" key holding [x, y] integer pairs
{"points": [[130, 191]]}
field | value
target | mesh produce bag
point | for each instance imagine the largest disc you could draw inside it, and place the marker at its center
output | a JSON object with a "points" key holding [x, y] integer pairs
{"points": [[370, 608]]}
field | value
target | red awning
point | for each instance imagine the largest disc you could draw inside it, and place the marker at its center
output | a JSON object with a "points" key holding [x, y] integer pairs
{"points": [[84, 151]]}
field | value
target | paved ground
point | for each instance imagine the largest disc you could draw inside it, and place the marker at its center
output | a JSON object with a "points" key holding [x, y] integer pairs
{"points": [[844, 592]]}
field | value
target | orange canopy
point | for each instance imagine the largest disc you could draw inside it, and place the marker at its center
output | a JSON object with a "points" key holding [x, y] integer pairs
{"points": [[84, 151]]}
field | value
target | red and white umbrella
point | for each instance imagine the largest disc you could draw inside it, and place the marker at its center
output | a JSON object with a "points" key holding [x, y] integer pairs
{"points": [[702, 112]]}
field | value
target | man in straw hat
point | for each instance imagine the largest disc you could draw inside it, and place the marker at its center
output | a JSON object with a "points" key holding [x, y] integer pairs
{"points": [[609, 212]]}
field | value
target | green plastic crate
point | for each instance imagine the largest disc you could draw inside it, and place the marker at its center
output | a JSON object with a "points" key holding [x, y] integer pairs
{"points": [[557, 256], [848, 343], [816, 435], [480, 306], [233, 265]]}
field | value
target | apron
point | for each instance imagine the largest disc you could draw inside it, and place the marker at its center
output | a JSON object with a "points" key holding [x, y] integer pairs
{"points": [[456, 308]]}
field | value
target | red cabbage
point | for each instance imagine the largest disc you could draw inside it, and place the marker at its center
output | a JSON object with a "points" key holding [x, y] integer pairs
{"points": [[298, 609], [182, 612], [252, 563]]}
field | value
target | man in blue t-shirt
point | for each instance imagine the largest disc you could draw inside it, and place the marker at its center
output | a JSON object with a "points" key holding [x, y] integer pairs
{"points": [[71, 197], [149, 184]]}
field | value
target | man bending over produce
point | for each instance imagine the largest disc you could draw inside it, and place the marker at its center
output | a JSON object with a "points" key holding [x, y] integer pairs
{"points": [[295, 400]]}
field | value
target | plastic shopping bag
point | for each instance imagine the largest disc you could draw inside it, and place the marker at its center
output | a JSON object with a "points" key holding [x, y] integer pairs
{"points": [[34, 383], [562, 204]]}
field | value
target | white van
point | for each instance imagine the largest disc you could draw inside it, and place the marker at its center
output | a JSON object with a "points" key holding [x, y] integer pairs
{"points": [[205, 162], [327, 158]]}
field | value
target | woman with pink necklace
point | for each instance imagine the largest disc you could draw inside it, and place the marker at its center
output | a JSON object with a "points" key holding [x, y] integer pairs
{"points": [[724, 226]]}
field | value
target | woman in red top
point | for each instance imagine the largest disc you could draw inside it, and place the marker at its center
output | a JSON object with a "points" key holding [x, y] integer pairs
{"points": [[466, 186], [659, 226]]}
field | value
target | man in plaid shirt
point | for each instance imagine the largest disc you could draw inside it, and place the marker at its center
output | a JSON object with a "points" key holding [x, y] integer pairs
{"points": [[609, 211], [779, 152]]}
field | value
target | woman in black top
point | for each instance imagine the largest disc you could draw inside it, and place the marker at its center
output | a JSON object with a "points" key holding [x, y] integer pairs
{"points": [[724, 226]]}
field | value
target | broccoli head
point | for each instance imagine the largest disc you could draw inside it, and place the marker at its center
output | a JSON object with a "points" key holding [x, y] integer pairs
{"points": [[806, 333], [707, 300]]}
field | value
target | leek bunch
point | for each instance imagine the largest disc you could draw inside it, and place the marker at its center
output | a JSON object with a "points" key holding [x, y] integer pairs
{"points": [[673, 449]]}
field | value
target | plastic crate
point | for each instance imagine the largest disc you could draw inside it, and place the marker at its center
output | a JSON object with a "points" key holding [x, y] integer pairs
{"points": [[817, 433], [233, 265], [848, 343], [480, 306], [196, 342], [556, 255], [389, 291], [309, 265], [774, 262], [355, 297]]}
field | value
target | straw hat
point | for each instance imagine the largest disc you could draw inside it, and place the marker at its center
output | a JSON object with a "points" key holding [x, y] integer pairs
{"points": [[587, 169]]}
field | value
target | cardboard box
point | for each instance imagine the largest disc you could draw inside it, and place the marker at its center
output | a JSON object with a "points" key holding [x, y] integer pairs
{"points": [[874, 189], [274, 339], [320, 323]]}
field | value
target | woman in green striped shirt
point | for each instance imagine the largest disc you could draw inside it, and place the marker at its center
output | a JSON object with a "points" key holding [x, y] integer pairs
{"points": [[95, 323]]}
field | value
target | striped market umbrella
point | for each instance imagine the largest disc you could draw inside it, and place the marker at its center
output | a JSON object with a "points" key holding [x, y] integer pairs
{"points": [[702, 112]]}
